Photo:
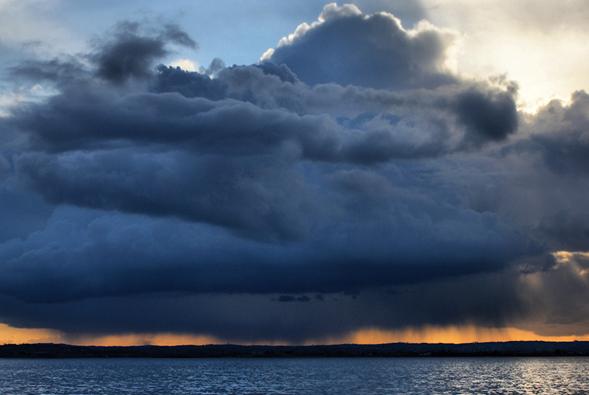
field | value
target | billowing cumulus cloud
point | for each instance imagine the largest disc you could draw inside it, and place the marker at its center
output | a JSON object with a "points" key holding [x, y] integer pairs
{"points": [[348, 180], [346, 46]]}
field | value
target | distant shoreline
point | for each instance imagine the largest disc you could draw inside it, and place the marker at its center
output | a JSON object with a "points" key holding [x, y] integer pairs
{"points": [[498, 349]]}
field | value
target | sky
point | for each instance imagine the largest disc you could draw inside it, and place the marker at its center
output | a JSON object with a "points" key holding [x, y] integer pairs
{"points": [[266, 172]]}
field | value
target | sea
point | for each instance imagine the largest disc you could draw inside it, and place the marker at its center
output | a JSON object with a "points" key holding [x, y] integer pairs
{"points": [[489, 375]]}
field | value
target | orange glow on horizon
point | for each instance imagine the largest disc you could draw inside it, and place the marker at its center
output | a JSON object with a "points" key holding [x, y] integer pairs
{"points": [[430, 334], [11, 335], [451, 334]]}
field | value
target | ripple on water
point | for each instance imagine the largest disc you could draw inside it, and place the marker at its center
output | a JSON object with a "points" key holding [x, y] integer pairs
{"points": [[296, 376]]}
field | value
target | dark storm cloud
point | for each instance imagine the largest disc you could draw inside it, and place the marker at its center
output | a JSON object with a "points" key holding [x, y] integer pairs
{"points": [[129, 53], [197, 202], [562, 135], [271, 112], [24, 212], [188, 84], [291, 298], [280, 71], [487, 300], [54, 70], [490, 115], [92, 255], [130, 50], [552, 160], [256, 197], [569, 229]]}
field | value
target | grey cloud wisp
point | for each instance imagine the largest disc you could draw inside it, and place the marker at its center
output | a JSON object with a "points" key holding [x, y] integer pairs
{"points": [[349, 173]]}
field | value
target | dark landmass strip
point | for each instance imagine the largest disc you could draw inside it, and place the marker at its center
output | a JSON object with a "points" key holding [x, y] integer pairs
{"points": [[514, 349]]}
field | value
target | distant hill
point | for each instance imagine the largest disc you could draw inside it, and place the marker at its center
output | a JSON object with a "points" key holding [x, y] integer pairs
{"points": [[511, 349]]}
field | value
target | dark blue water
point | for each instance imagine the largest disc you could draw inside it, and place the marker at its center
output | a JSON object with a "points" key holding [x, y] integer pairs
{"points": [[296, 376]]}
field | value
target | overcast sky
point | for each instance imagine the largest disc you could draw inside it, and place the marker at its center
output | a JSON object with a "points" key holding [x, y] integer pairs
{"points": [[263, 171]]}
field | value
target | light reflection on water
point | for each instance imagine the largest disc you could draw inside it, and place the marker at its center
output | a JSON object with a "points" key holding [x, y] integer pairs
{"points": [[296, 376]]}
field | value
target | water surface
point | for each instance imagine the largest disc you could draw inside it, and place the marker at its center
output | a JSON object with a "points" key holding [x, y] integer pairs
{"points": [[296, 376]]}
